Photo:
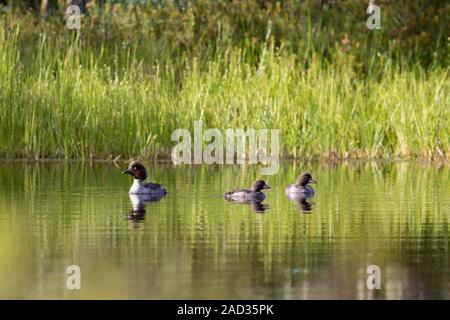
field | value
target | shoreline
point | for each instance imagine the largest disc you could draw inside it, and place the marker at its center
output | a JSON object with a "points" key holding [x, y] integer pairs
{"points": [[282, 160]]}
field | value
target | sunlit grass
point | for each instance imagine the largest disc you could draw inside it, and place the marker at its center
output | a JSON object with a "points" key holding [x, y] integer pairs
{"points": [[65, 98]]}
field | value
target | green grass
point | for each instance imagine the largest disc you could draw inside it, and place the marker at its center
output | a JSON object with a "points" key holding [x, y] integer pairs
{"points": [[68, 96]]}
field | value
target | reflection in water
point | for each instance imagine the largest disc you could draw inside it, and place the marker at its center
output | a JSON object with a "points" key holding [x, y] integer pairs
{"points": [[256, 206], [193, 245], [138, 202], [303, 205]]}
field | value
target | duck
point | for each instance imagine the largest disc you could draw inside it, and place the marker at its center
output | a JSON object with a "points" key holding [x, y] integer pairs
{"points": [[252, 194], [301, 188], [137, 170]]}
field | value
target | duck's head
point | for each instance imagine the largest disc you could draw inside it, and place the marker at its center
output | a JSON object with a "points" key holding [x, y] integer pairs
{"points": [[259, 185], [137, 170], [304, 179]]}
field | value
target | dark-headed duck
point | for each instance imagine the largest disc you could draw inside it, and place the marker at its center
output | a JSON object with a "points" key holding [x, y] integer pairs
{"points": [[252, 194], [301, 188], [139, 173]]}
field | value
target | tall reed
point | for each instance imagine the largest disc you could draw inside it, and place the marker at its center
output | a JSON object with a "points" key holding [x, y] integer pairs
{"points": [[64, 95]]}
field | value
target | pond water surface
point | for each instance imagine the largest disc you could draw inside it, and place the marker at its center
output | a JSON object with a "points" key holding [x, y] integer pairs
{"points": [[194, 245]]}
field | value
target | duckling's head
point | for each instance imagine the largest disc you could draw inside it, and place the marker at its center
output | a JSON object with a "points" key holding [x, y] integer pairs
{"points": [[304, 179], [137, 170], [258, 185]]}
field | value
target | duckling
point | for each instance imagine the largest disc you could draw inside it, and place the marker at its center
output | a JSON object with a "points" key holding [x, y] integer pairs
{"points": [[252, 194], [139, 173], [301, 188]]}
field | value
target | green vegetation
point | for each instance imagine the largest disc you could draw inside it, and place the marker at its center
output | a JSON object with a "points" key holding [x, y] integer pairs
{"points": [[132, 75]]}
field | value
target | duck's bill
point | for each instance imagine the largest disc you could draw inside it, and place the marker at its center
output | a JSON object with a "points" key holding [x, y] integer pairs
{"points": [[266, 186], [312, 181], [126, 171]]}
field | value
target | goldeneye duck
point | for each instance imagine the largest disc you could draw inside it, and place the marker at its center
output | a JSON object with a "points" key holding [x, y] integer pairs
{"points": [[139, 173], [252, 194], [301, 188]]}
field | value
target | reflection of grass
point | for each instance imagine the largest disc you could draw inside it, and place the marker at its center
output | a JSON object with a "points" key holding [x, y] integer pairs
{"points": [[8, 256], [123, 93], [193, 244]]}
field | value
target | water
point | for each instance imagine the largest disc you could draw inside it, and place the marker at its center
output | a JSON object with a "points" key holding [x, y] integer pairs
{"points": [[193, 244]]}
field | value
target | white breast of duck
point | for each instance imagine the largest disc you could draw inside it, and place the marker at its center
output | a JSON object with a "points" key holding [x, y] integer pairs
{"points": [[301, 186], [294, 190]]}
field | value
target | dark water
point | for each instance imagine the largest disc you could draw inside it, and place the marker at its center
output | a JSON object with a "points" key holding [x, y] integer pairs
{"points": [[193, 244]]}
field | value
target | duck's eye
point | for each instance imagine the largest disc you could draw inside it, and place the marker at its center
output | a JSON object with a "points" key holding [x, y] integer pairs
{"points": [[134, 168]]}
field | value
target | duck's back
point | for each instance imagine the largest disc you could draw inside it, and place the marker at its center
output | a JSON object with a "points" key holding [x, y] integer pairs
{"points": [[244, 195], [155, 188], [139, 187]]}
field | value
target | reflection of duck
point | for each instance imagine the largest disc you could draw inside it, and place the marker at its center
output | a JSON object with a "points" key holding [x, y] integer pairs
{"points": [[136, 217], [253, 194], [302, 203], [301, 188], [138, 202], [139, 173], [256, 206]]}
